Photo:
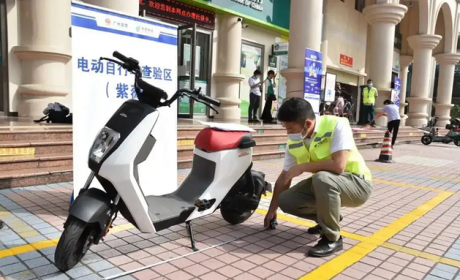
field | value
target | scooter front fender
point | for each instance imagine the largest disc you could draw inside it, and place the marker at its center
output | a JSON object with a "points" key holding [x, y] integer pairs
{"points": [[92, 206]]}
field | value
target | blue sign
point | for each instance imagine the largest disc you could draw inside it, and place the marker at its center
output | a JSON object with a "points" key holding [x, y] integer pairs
{"points": [[312, 78], [397, 96]]}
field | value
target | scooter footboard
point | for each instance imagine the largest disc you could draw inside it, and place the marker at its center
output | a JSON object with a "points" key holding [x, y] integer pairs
{"points": [[92, 207]]}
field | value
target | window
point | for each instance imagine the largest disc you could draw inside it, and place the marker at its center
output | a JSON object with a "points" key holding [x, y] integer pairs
{"points": [[359, 5]]}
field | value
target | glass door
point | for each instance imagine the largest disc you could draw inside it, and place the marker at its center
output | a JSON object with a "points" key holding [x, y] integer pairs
{"points": [[186, 53]]}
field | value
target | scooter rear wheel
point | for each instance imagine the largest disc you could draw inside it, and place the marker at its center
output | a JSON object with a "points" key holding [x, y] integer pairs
{"points": [[74, 243], [457, 143], [234, 216]]}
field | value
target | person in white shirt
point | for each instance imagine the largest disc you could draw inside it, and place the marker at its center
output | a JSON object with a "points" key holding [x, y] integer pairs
{"points": [[394, 119], [254, 96]]}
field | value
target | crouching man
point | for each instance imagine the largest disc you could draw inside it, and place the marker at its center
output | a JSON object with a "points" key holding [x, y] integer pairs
{"points": [[325, 147]]}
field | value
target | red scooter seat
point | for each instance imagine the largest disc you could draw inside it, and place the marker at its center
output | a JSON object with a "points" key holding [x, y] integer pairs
{"points": [[214, 140]]}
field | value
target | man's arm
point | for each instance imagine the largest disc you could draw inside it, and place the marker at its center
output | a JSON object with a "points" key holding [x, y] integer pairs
{"points": [[376, 92], [280, 186]]}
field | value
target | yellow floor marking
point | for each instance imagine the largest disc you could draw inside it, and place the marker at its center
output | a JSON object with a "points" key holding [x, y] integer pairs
{"points": [[449, 179], [335, 266], [185, 142], [17, 151], [379, 180], [53, 242], [21, 227], [410, 186], [49, 243], [48, 127]]}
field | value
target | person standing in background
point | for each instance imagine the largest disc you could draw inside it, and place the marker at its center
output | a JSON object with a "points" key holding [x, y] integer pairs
{"points": [[269, 97], [369, 96], [254, 96], [391, 110]]}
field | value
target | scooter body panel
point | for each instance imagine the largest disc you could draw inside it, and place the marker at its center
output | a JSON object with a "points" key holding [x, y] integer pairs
{"points": [[92, 206], [119, 169], [230, 166]]}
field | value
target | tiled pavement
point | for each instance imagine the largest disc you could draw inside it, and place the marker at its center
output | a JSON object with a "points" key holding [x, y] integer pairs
{"points": [[409, 229]]}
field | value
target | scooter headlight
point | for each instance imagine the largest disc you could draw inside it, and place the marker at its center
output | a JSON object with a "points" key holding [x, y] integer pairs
{"points": [[105, 141]]}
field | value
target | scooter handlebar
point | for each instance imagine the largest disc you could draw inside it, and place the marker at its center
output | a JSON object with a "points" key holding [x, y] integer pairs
{"points": [[210, 100], [120, 56]]}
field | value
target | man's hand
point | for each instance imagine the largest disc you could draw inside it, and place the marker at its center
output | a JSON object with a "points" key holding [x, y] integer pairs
{"points": [[293, 172], [269, 217]]}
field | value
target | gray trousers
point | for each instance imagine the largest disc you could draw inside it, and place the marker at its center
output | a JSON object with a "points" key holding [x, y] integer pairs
{"points": [[320, 197]]}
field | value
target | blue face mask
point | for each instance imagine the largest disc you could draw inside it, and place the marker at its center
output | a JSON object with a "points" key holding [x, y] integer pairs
{"points": [[370, 85]]}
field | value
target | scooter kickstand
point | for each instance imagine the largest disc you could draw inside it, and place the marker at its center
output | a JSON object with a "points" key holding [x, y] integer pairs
{"points": [[190, 234]]}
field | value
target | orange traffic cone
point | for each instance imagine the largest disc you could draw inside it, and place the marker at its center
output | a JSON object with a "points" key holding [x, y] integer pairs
{"points": [[386, 151]]}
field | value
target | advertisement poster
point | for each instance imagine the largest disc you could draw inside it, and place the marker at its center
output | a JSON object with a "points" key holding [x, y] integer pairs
{"points": [[251, 59], [397, 91], [99, 88], [329, 89], [313, 74]]}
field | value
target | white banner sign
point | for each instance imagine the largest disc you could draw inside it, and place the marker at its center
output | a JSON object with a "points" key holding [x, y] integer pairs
{"points": [[101, 87], [329, 89]]}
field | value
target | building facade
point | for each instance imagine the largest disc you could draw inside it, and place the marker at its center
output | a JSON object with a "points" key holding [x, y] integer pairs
{"points": [[359, 39]]}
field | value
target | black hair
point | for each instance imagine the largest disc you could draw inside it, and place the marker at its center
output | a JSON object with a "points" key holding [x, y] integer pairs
{"points": [[296, 110], [257, 72], [370, 80], [271, 72], [388, 101]]}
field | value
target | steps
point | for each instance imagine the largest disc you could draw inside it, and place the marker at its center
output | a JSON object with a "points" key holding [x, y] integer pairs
{"points": [[44, 155], [35, 157], [271, 141]]}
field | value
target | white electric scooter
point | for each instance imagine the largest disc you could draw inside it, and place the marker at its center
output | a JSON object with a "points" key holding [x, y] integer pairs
{"points": [[221, 176]]}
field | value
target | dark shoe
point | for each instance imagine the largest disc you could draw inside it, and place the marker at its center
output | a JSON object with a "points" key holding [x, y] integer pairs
{"points": [[2, 224], [325, 248], [317, 229]]}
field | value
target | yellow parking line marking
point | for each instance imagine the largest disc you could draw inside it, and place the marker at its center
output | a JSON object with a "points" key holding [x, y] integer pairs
{"points": [[22, 228], [448, 179], [335, 266], [49, 243], [53, 242], [409, 186]]}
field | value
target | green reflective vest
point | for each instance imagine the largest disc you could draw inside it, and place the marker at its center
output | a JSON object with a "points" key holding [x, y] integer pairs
{"points": [[369, 96], [320, 148]]}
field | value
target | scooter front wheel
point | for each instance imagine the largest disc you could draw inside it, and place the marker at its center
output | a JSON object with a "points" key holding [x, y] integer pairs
{"points": [[426, 139], [457, 143], [74, 243]]}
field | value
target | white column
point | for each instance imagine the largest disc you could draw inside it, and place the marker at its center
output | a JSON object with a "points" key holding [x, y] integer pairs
{"points": [[130, 7], [227, 76], [447, 62], [304, 32], [404, 62], [44, 48], [419, 100], [383, 18]]}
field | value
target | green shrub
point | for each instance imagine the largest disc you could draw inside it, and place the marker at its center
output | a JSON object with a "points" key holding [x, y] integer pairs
{"points": [[455, 111]]}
